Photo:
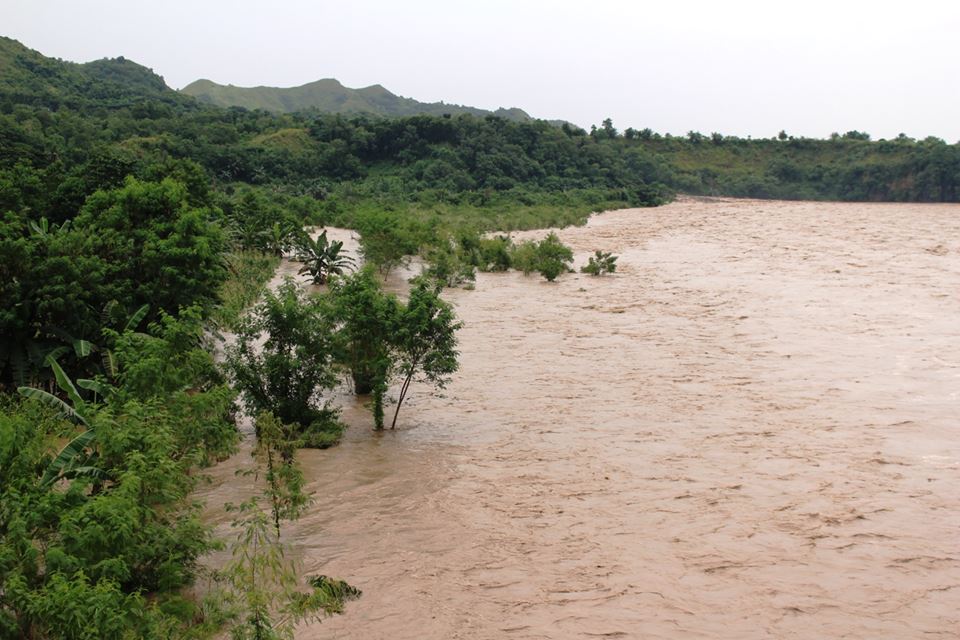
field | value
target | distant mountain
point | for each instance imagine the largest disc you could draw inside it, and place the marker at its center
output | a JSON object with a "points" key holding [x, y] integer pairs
{"points": [[27, 77], [329, 96]]}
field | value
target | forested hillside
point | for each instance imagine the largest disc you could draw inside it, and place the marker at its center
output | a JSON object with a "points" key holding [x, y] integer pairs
{"points": [[844, 167], [117, 191]]}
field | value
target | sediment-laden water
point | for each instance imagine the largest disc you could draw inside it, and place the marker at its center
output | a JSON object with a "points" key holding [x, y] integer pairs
{"points": [[751, 430]]}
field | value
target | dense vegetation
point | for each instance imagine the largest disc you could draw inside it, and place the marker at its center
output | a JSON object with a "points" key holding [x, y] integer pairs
{"points": [[116, 191], [99, 539], [844, 167]]}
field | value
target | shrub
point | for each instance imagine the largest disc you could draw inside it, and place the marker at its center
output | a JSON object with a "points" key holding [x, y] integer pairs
{"points": [[295, 361], [600, 263], [553, 257], [495, 253], [523, 257], [449, 267]]}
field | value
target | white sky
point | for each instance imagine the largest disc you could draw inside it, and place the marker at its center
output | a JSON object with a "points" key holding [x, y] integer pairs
{"points": [[737, 67]]}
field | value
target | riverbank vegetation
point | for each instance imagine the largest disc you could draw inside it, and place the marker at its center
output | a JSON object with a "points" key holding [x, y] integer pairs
{"points": [[247, 272], [284, 359], [98, 535]]}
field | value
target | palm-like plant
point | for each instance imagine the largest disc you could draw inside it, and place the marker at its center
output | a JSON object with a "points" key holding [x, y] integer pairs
{"points": [[77, 458], [322, 258], [277, 238], [43, 227]]}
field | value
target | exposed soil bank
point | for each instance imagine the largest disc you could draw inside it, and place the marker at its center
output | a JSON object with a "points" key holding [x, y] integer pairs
{"points": [[750, 431]]}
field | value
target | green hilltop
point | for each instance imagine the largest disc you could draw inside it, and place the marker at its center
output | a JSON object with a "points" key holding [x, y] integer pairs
{"points": [[29, 78], [329, 96]]}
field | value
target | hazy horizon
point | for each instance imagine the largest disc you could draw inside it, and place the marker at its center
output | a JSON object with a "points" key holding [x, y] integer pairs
{"points": [[743, 68]]}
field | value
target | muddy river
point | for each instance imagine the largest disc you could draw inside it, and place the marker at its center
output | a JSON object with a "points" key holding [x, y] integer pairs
{"points": [[751, 430]]}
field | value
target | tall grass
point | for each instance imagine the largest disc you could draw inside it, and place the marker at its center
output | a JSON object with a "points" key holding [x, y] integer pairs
{"points": [[249, 273]]}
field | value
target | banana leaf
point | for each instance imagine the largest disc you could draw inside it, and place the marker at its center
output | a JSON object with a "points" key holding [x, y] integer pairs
{"points": [[66, 459]]}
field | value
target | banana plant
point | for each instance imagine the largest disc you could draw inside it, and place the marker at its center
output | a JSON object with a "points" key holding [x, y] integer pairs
{"points": [[322, 258], [44, 228], [277, 239], [107, 356], [76, 459], [82, 348]]}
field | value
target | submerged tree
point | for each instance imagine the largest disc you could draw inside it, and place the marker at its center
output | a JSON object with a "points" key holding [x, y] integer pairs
{"points": [[261, 587], [276, 445], [553, 257], [366, 317], [600, 263], [384, 240], [424, 341], [260, 590], [322, 258], [550, 257], [295, 362]]}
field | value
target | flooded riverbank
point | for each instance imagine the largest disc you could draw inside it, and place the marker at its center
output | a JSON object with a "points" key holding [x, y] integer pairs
{"points": [[749, 431]]}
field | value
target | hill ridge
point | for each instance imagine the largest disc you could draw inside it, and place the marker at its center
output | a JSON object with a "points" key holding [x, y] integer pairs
{"points": [[332, 96]]}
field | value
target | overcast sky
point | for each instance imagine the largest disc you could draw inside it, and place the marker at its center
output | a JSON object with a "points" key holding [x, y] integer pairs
{"points": [[737, 67]]}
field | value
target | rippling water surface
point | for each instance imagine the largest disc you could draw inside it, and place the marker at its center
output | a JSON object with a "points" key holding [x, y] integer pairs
{"points": [[751, 430]]}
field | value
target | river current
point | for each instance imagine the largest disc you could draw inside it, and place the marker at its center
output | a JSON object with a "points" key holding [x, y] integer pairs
{"points": [[750, 430]]}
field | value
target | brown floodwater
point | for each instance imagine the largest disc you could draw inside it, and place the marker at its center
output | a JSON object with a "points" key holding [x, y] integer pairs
{"points": [[749, 431]]}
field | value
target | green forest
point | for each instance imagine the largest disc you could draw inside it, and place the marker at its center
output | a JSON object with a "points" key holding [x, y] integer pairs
{"points": [[136, 222]]}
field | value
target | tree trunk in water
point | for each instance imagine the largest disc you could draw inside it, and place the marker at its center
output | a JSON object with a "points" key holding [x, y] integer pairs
{"points": [[378, 408], [403, 393], [363, 382]]}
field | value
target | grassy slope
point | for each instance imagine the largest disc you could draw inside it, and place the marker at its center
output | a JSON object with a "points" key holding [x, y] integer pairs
{"points": [[329, 96]]}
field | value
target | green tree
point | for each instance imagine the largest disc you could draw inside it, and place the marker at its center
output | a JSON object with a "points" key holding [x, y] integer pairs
{"points": [[164, 252], [366, 317], [384, 242], [608, 129], [857, 135], [424, 340], [284, 357]]}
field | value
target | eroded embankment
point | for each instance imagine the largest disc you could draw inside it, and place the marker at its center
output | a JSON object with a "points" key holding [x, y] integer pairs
{"points": [[749, 431]]}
